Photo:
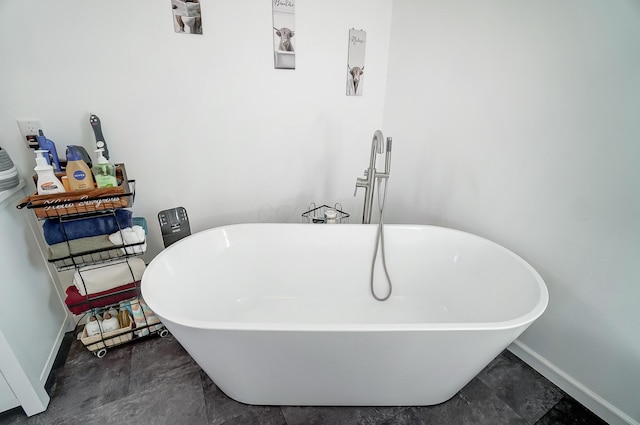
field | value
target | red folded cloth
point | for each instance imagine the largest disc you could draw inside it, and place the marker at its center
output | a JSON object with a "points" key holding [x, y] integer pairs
{"points": [[78, 304]]}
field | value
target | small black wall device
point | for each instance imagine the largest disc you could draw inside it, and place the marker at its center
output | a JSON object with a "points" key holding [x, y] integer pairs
{"points": [[174, 225]]}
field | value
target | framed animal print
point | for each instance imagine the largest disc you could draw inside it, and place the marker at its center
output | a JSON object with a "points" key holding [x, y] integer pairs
{"points": [[186, 16], [284, 31], [355, 62]]}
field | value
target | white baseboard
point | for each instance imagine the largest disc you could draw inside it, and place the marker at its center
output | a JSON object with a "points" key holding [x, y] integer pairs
{"points": [[8, 399], [592, 401], [8, 405], [46, 370]]}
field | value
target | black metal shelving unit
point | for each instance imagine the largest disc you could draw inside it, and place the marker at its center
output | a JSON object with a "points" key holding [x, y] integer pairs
{"points": [[141, 321]]}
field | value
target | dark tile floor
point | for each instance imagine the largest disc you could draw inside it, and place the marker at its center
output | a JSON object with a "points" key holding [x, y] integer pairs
{"points": [[154, 381]]}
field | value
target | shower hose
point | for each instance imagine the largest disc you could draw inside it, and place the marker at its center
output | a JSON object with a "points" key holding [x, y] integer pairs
{"points": [[380, 243]]}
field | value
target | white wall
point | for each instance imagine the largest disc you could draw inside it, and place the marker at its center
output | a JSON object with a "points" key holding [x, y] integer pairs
{"points": [[519, 121], [204, 122]]}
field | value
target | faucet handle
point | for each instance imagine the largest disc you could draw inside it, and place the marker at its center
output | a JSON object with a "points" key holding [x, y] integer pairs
{"points": [[360, 182]]}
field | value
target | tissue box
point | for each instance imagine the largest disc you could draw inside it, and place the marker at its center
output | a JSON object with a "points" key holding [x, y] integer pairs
{"points": [[81, 201]]}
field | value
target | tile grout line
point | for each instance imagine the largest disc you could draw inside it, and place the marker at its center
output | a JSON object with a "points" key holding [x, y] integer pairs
{"points": [[497, 396], [550, 409], [283, 416]]}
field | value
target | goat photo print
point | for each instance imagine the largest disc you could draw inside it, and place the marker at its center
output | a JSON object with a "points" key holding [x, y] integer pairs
{"points": [[355, 62], [186, 16], [284, 30]]}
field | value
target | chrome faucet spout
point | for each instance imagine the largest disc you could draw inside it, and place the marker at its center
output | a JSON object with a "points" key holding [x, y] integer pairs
{"points": [[377, 146], [369, 181]]}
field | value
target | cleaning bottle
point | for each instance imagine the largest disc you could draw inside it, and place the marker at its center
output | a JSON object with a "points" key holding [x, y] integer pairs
{"points": [[78, 171], [103, 172], [48, 183]]}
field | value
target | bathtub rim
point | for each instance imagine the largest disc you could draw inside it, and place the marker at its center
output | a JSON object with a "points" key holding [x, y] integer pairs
{"points": [[522, 321]]}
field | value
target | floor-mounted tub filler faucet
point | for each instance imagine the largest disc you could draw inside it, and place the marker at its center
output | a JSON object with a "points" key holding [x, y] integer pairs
{"points": [[371, 175], [369, 184]]}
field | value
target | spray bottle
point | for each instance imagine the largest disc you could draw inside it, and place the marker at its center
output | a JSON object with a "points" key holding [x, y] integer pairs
{"points": [[103, 172], [48, 183], [48, 145]]}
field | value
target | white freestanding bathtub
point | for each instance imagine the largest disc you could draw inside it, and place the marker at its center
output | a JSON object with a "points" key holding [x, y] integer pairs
{"points": [[281, 314]]}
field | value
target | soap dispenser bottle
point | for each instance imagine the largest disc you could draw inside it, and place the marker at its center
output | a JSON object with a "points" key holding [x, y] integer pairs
{"points": [[48, 183], [78, 172], [103, 172]]}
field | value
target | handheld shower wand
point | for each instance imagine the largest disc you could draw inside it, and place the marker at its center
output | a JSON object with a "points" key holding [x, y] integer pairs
{"points": [[387, 157]]}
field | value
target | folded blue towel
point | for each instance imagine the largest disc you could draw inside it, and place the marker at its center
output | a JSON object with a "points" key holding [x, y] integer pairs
{"points": [[56, 231]]}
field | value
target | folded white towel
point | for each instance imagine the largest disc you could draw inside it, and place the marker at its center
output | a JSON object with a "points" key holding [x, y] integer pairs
{"points": [[128, 236], [98, 278]]}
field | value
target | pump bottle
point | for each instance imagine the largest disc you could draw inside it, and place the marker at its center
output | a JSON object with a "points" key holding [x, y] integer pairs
{"points": [[78, 172], [103, 172], [48, 183]]}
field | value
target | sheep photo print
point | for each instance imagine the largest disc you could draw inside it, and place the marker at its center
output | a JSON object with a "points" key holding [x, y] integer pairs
{"points": [[186, 16], [355, 62], [284, 25]]}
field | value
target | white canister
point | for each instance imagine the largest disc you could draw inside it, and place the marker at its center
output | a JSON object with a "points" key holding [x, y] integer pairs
{"points": [[330, 216], [110, 323], [92, 327]]}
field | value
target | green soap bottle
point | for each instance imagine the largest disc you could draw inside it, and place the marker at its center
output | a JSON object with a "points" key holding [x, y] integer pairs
{"points": [[103, 172]]}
